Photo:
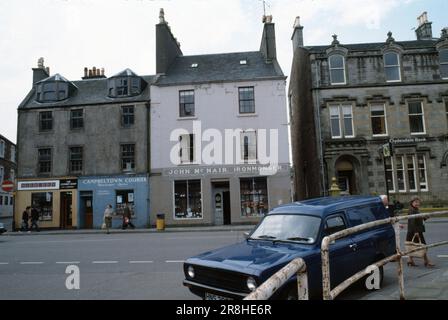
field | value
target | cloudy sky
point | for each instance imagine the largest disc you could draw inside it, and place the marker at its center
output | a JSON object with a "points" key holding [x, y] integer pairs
{"points": [[119, 34]]}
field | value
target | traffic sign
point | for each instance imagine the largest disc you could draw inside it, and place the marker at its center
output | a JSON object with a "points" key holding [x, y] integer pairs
{"points": [[7, 186]]}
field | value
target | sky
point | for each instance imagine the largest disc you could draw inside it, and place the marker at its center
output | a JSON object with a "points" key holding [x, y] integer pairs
{"points": [[120, 34]]}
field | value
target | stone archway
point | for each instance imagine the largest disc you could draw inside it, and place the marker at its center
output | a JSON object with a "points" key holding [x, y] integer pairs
{"points": [[347, 173]]}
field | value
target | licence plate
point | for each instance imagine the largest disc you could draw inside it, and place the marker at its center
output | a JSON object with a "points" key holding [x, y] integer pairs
{"points": [[210, 296]]}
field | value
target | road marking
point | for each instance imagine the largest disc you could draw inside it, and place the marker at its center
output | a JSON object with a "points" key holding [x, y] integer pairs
{"points": [[175, 261], [442, 256], [104, 262], [4, 262], [68, 241], [32, 262], [141, 261], [67, 262]]}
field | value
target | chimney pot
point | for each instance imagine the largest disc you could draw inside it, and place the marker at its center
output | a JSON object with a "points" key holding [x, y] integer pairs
{"points": [[102, 71], [90, 73], [85, 72], [48, 70]]}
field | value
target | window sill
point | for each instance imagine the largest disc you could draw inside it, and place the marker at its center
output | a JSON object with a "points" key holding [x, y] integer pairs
{"points": [[393, 81], [187, 118], [188, 164], [418, 134], [243, 115], [380, 135]]}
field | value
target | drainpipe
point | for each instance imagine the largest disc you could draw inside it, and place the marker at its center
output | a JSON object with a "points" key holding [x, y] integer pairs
{"points": [[148, 157], [319, 130]]}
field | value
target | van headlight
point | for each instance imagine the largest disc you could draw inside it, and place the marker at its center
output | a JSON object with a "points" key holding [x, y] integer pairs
{"points": [[190, 271], [251, 284]]}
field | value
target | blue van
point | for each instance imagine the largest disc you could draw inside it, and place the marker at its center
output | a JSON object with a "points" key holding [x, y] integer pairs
{"points": [[288, 232]]}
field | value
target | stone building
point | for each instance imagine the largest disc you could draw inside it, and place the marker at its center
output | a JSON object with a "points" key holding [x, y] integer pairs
{"points": [[8, 168], [82, 145], [356, 98]]}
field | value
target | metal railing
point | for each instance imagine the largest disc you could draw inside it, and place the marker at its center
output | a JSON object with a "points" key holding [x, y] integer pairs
{"points": [[270, 286], [329, 294]]}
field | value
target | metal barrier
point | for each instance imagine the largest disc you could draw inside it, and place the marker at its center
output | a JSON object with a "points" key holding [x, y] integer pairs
{"points": [[268, 288], [329, 294]]}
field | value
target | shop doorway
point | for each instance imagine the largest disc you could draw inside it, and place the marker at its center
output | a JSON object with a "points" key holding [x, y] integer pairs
{"points": [[221, 202], [86, 210], [66, 210]]}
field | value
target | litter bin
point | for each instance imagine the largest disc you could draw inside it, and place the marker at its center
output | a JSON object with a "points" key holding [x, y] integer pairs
{"points": [[160, 222]]}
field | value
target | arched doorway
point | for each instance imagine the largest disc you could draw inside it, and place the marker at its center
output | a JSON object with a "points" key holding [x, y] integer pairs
{"points": [[346, 168]]}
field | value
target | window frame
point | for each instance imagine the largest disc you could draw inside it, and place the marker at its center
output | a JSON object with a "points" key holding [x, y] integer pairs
{"points": [[383, 116], [190, 149], [254, 194], [398, 65], [425, 169], [127, 117], [330, 68], [2, 148], [246, 134], [43, 123], [125, 157], [422, 114], [2, 173], [70, 160], [40, 161], [240, 100], [183, 104], [392, 174], [443, 63], [414, 171], [341, 120], [78, 119]]}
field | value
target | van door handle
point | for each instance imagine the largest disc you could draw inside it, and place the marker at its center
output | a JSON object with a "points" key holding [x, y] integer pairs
{"points": [[353, 246]]}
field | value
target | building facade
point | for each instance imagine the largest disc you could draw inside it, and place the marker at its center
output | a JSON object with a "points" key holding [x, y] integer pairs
{"points": [[208, 117], [82, 145], [363, 97], [8, 169]]}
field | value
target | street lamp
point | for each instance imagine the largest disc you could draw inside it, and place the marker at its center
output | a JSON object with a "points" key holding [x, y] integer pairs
{"points": [[386, 151]]}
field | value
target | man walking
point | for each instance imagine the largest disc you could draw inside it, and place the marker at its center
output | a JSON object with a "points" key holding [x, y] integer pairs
{"points": [[127, 217], [34, 219], [25, 218]]}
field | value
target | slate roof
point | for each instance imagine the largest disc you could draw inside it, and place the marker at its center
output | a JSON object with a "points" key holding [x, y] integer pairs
{"points": [[56, 77], [407, 45], [223, 67], [88, 92]]}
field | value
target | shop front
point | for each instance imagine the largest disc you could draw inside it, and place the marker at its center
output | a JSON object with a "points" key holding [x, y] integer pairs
{"points": [[218, 195], [96, 192], [54, 199]]}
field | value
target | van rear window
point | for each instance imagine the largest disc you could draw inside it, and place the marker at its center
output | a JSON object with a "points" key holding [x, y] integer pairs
{"points": [[363, 215]]}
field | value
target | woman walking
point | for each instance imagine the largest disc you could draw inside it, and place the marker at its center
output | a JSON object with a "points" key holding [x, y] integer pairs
{"points": [[108, 217], [416, 227]]}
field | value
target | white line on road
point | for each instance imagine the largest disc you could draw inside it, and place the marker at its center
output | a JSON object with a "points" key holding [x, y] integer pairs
{"points": [[175, 261], [68, 262], [32, 262], [141, 261], [4, 262], [104, 262], [442, 256]]}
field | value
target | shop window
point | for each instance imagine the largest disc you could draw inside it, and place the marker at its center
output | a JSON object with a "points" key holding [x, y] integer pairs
{"points": [[187, 199], [123, 198], [254, 196], [43, 202], [407, 172]]}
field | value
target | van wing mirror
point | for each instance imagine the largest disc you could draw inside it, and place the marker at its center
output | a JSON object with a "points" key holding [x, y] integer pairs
{"points": [[246, 235]]}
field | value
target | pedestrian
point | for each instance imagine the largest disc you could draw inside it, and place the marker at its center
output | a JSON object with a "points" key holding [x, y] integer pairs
{"points": [[416, 227], [389, 208], [108, 217], [127, 217], [34, 219], [25, 218]]}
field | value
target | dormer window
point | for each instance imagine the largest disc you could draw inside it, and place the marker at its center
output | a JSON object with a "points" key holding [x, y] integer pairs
{"points": [[243, 62], [52, 89], [194, 65], [443, 59], [125, 84], [337, 69], [392, 67]]}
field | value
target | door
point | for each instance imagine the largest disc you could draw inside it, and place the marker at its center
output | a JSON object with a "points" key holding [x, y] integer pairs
{"points": [[66, 210], [342, 251], [226, 207], [88, 212]]}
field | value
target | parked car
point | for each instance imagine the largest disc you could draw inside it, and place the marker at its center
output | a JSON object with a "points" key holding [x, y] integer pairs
{"points": [[2, 228], [288, 232]]}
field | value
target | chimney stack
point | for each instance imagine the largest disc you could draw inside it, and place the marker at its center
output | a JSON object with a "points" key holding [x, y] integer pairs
{"points": [[167, 47], [267, 47], [40, 72], [424, 29], [297, 35], [94, 73]]}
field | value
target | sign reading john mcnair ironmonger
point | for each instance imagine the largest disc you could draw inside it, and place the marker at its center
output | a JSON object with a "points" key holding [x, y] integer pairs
{"points": [[68, 184], [225, 170]]}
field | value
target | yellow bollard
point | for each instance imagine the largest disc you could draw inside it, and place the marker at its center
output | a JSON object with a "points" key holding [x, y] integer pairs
{"points": [[334, 190], [160, 222]]}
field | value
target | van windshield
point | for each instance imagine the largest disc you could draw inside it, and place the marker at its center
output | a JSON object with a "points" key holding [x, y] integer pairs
{"points": [[288, 227]]}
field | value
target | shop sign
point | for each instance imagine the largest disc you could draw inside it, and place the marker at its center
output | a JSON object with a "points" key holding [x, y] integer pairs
{"points": [[68, 184], [38, 185]]}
